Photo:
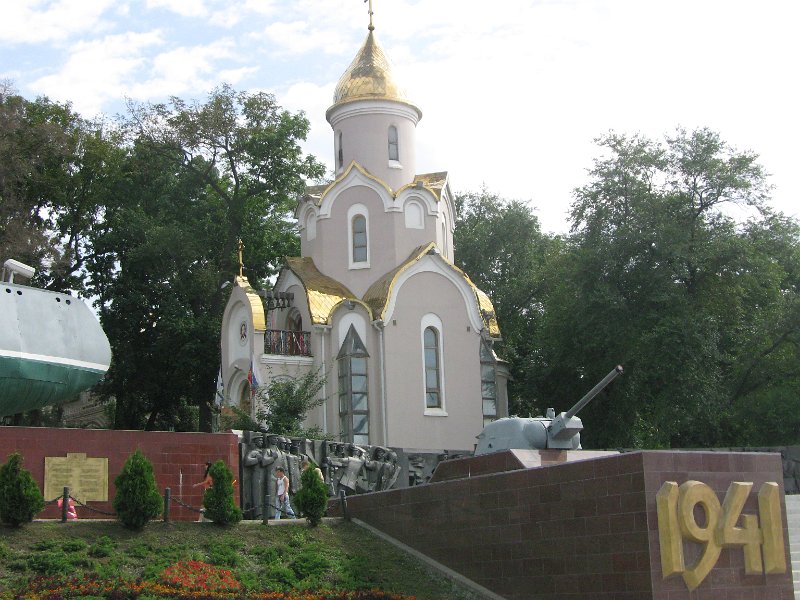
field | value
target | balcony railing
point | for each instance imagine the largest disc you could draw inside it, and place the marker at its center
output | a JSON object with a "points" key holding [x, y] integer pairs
{"points": [[287, 343]]}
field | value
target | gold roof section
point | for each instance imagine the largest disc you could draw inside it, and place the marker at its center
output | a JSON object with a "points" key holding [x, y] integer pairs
{"points": [[369, 77], [324, 293], [433, 182], [378, 294], [259, 322]]}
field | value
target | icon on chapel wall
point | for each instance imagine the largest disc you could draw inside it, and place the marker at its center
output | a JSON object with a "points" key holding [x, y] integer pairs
{"points": [[243, 333]]}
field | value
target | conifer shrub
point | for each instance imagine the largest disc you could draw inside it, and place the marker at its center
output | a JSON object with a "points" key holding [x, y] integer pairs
{"points": [[137, 500], [218, 500], [312, 497], [20, 498]]}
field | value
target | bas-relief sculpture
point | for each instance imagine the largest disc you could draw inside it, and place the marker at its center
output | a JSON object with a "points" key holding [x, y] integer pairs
{"points": [[345, 467]]}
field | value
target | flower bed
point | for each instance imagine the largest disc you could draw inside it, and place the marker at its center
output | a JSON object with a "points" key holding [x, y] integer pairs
{"points": [[191, 579]]}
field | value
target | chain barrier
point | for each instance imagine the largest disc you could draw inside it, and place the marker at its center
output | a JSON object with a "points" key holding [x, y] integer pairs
{"points": [[272, 508], [183, 504], [91, 508]]}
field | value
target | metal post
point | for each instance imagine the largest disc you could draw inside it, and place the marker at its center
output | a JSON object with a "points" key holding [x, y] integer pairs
{"points": [[167, 494], [343, 502], [265, 508], [64, 505]]}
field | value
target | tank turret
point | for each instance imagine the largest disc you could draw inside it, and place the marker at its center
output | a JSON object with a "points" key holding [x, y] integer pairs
{"points": [[560, 432]]}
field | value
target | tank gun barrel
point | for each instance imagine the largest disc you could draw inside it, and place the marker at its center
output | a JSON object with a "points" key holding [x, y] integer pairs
{"points": [[615, 372]]}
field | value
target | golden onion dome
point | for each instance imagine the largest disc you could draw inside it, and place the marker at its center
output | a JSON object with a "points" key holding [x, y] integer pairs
{"points": [[369, 77]]}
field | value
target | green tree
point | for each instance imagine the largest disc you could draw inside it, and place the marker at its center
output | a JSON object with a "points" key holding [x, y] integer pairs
{"points": [[500, 245], [137, 500], [57, 171], [20, 498], [312, 497], [282, 407], [218, 500], [659, 277], [199, 177]]}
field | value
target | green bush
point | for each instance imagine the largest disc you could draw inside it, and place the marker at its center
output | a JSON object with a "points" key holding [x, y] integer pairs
{"points": [[74, 545], [309, 564], [137, 500], [50, 563], [102, 547], [312, 497], [223, 555], [219, 500], [280, 577], [20, 498]]}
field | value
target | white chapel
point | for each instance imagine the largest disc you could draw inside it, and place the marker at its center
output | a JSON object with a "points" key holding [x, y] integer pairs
{"points": [[374, 302]]}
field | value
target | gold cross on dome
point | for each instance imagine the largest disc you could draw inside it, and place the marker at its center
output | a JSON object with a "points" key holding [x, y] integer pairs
{"points": [[241, 257], [371, 26]]}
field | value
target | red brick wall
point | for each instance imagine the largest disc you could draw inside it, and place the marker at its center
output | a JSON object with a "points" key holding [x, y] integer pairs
{"points": [[176, 457], [584, 530]]}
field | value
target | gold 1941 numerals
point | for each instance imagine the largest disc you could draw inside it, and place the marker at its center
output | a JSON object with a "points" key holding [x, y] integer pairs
{"points": [[676, 522]]}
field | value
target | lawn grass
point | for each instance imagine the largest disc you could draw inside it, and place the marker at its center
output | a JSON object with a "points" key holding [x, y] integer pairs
{"points": [[336, 555]]}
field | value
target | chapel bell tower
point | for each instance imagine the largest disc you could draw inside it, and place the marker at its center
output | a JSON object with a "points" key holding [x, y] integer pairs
{"points": [[373, 121]]}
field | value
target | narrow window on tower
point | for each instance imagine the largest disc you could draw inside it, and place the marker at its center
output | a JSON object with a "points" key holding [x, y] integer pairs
{"points": [[433, 393], [340, 153], [394, 152], [433, 366], [357, 248], [359, 239], [353, 390]]}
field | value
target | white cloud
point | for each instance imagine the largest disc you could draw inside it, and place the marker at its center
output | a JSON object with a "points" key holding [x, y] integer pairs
{"points": [[190, 69], [185, 8], [511, 95], [97, 71], [36, 21], [298, 37]]}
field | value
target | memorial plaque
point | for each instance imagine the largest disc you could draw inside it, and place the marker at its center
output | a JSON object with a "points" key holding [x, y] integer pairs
{"points": [[86, 478]]}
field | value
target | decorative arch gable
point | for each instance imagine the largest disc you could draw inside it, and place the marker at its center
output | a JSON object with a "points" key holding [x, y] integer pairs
{"points": [[434, 263], [421, 195], [353, 176], [381, 297]]}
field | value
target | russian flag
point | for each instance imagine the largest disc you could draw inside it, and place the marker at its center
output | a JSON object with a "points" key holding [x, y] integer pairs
{"points": [[251, 378]]}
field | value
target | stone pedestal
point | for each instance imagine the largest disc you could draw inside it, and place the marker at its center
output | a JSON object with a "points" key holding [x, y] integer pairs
{"points": [[587, 529]]}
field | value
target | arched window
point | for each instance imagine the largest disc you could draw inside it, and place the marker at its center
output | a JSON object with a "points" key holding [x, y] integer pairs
{"points": [[353, 389], [340, 153], [433, 388], [488, 383], [359, 239], [433, 372], [394, 151]]}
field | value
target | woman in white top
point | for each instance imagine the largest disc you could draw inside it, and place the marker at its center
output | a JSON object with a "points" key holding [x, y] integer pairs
{"points": [[283, 505]]}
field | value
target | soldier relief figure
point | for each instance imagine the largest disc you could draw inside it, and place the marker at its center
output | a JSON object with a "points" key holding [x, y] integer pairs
{"points": [[344, 466]]}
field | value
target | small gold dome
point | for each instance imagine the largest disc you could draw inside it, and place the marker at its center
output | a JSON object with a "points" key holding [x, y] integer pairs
{"points": [[369, 77]]}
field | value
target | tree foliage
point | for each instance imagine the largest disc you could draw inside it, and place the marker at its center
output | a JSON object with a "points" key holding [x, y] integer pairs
{"points": [[500, 245], [137, 500], [662, 274], [312, 497], [282, 407], [218, 500], [198, 178], [20, 498], [700, 309], [57, 171]]}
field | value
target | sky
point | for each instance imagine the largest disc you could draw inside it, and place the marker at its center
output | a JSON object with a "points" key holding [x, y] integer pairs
{"points": [[513, 93]]}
